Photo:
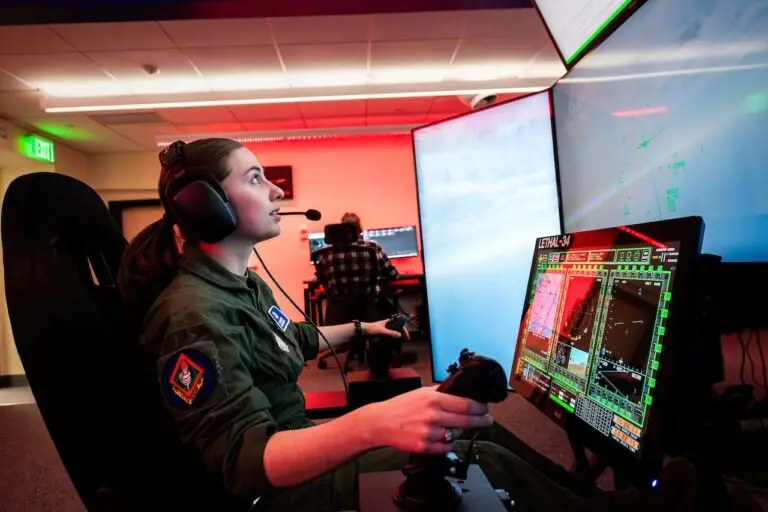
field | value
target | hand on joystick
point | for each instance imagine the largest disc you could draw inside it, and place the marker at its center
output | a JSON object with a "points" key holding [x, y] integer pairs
{"points": [[475, 377]]}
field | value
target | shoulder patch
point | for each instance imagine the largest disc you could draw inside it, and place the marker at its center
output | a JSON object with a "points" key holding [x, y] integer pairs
{"points": [[189, 378]]}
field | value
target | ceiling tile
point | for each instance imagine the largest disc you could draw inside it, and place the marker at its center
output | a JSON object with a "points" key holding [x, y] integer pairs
{"points": [[419, 26], [235, 61], [321, 29], [213, 33], [95, 37], [517, 24], [399, 106], [411, 53], [21, 105], [277, 111], [448, 104], [44, 68], [128, 65], [72, 127], [32, 39], [328, 109], [546, 64], [482, 51], [324, 56], [144, 134], [280, 124], [205, 128], [114, 144], [336, 122], [10, 83], [200, 115]]}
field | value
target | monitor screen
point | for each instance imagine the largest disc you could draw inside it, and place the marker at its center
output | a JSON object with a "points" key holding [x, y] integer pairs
{"points": [[597, 320], [668, 118], [397, 242], [487, 188], [575, 24]]}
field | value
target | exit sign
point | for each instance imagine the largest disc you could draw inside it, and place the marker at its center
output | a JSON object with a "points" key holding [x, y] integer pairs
{"points": [[37, 148]]}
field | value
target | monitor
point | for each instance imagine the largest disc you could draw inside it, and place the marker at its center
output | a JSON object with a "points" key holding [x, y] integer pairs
{"points": [[397, 242], [316, 242], [487, 187], [669, 118], [576, 26], [604, 318]]}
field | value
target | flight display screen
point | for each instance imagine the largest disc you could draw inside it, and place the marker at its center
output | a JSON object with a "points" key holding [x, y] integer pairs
{"points": [[594, 329]]}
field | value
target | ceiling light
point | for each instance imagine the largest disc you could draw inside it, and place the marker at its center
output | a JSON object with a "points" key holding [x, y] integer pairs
{"points": [[106, 107], [294, 135]]}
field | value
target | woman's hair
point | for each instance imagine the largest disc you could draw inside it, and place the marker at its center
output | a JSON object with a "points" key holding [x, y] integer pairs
{"points": [[150, 262]]}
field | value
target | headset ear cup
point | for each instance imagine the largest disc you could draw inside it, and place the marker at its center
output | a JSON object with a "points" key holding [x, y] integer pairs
{"points": [[204, 210]]}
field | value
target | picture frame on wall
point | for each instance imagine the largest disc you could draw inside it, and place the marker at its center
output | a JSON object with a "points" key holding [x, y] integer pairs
{"points": [[282, 176]]}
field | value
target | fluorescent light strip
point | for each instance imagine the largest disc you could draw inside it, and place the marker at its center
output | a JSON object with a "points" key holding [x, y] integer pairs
{"points": [[286, 138], [298, 99]]}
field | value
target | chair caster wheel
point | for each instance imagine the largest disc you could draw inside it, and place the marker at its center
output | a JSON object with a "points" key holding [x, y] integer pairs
{"points": [[322, 364]]}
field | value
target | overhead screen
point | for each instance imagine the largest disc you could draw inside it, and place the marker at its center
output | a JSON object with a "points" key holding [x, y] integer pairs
{"points": [[669, 118], [575, 24], [487, 189]]}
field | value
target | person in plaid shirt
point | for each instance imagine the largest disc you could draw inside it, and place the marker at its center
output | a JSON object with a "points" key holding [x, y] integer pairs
{"points": [[348, 271]]}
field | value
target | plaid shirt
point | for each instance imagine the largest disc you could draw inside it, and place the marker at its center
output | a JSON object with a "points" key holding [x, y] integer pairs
{"points": [[347, 270]]}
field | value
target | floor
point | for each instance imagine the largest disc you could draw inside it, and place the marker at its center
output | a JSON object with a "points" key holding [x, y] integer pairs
{"points": [[32, 477]]}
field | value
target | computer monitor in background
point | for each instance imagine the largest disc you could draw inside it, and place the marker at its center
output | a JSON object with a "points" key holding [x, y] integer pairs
{"points": [[397, 242], [604, 331], [577, 26], [669, 118], [487, 187], [316, 241]]}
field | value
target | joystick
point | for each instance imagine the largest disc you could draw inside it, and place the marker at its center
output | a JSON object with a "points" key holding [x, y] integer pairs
{"points": [[426, 488], [380, 348]]}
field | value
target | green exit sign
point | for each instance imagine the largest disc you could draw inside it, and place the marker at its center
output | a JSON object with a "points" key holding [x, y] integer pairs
{"points": [[37, 148]]}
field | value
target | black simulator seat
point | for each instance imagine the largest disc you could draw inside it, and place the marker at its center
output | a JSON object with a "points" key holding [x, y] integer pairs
{"points": [[61, 252]]}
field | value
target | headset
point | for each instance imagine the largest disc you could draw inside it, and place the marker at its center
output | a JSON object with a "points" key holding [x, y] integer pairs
{"points": [[194, 198]]}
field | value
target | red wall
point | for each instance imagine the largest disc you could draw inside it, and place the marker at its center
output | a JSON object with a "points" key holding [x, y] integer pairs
{"points": [[372, 176]]}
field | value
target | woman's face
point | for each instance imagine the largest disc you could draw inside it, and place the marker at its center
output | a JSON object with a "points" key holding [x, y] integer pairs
{"points": [[254, 199]]}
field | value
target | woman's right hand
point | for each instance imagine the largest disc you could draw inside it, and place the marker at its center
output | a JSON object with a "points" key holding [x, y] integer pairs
{"points": [[417, 421]]}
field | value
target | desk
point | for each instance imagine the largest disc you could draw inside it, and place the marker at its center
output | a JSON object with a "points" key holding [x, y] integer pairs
{"points": [[404, 284]]}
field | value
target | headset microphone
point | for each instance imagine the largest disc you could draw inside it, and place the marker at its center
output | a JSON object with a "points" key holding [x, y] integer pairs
{"points": [[310, 214]]}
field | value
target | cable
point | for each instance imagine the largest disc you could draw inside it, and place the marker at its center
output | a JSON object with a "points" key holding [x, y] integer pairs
{"points": [[319, 332], [743, 356], [762, 359]]}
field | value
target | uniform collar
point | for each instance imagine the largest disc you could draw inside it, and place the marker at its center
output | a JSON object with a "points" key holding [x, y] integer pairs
{"points": [[196, 262]]}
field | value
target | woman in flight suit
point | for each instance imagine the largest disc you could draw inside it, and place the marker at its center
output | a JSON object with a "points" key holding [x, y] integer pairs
{"points": [[228, 360]]}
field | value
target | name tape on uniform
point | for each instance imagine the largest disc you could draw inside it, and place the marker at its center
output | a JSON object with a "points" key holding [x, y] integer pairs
{"points": [[280, 318]]}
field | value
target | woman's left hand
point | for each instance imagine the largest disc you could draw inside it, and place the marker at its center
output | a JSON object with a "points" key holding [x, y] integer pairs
{"points": [[379, 329]]}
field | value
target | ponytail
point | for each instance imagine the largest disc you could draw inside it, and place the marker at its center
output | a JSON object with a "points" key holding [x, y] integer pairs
{"points": [[149, 265]]}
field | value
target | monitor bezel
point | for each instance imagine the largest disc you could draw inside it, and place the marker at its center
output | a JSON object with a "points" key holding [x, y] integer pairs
{"points": [[612, 26], [549, 93], [689, 232]]}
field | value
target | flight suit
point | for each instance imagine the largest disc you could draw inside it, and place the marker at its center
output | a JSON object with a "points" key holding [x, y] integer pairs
{"points": [[227, 362]]}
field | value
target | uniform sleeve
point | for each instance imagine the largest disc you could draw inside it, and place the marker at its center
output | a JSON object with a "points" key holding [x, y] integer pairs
{"points": [[309, 340], [216, 408]]}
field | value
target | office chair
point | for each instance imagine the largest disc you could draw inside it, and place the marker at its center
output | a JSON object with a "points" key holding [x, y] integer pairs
{"points": [[61, 253], [348, 301]]}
